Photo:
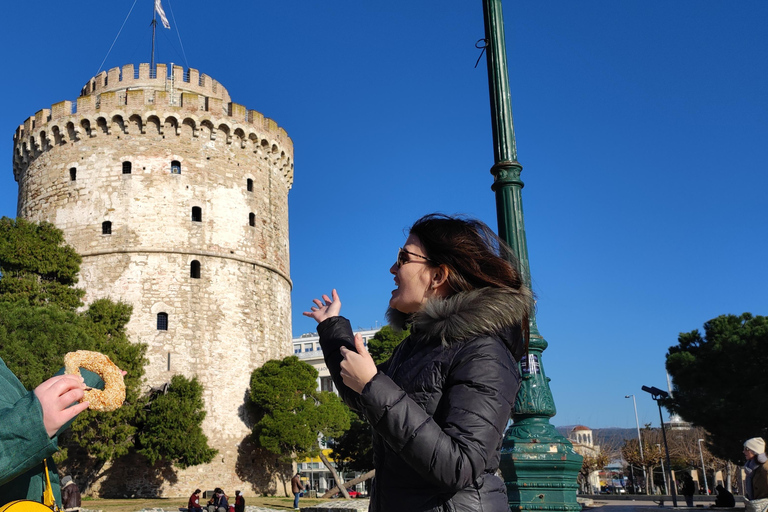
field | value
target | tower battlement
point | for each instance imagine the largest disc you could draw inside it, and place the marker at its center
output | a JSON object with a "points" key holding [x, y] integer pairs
{"points": [[125, 98]]}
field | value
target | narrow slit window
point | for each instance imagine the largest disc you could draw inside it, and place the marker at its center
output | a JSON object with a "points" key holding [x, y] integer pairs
{"points": [[175, 167], [72, 173], [106, 228], [249, 185], [197, 214], [126, 167], [162, 321], [194, 270], [251, 219]]}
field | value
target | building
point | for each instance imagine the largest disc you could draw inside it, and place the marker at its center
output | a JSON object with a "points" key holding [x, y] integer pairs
{"points": [[177, 199], [307, 348], [583, 444]]}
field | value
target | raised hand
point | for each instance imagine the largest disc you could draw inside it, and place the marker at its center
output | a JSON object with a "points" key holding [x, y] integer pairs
{"points": [[357, 368], [325, 308], [56, 395]]}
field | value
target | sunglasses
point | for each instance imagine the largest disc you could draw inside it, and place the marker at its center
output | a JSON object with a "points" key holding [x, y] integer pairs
{"points": [[402, 259]]}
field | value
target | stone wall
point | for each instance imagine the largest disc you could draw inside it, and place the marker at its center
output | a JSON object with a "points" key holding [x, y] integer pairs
{"points": [[183, 179]]}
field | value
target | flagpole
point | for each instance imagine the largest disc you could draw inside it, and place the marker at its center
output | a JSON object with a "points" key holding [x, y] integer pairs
{"points": [[154, 27]]}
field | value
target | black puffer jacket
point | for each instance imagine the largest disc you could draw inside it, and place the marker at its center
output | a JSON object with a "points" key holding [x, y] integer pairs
{"points": [[439, 406]]}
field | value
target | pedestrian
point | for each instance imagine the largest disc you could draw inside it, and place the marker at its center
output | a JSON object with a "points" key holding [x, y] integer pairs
{"points": [[31, 424], [193, 505], [689, 489], [439, 406], [756, 482], [724, 497], [296, 488], [70, 494], [239, 502]]}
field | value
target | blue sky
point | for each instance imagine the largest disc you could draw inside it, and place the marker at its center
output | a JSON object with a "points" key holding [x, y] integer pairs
{"points": [[638, 126]]}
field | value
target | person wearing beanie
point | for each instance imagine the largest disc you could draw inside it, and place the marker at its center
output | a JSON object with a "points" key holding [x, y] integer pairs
{"points": [[70, 494], [756, 488]]}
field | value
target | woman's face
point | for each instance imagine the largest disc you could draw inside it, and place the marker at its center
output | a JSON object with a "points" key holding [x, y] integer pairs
{"points": [[413, 278], [749, 454]]}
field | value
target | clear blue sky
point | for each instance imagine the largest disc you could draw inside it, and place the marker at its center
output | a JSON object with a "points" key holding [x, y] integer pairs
{"points": [[639, 126]]}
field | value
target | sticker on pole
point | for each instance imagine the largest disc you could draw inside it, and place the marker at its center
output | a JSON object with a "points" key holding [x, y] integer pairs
{"points": [[530, 365]]}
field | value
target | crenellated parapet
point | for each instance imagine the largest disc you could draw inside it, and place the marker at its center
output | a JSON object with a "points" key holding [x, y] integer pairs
{"points": [[139, 102]]}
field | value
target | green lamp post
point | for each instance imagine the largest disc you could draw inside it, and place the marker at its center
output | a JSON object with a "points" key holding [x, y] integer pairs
{"points": [[539, 465]]}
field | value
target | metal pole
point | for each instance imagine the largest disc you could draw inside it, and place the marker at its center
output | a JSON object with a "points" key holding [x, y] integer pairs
{"points": [[663, 471], [703, 469], [639, 441], [666, 449], [539, 464]]}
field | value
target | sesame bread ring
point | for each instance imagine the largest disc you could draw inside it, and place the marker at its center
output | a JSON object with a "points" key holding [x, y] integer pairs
{"points": [[113, 395]]}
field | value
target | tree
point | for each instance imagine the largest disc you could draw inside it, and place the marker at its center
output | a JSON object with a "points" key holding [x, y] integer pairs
{"points": [[384, 342], [36, 267], [171, 430], [292, 416], [589, 464], [39, 324], [716, 378]]}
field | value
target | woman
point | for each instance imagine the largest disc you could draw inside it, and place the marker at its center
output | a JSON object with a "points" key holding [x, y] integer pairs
{"points": [[756, 481], [439, 406]]}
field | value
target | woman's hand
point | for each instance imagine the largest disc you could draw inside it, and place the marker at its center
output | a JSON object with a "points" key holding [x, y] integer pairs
{"points": [[326, 308], [357, 368], [56, 395]]}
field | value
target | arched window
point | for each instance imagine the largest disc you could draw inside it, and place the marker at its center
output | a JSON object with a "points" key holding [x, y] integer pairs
{"points": [[194, 270], [251, 219], [175, 167], [72, 173], [106, 228], [126, 167], [162, 321], [197, 214], [249, 185]]}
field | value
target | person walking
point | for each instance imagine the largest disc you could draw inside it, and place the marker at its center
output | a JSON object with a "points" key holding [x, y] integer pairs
{"points": [[239, 502], [439, 406], [689, 489], [296, 488], [70, 494], [756, 482]]}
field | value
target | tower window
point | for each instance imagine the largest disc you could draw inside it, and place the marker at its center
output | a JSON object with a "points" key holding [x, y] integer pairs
{"points": [[175, 167], [162, 321], [194, 270], [197, 214], [126, 167], [106, 228], [251, 219], [249, 185], [72, 173]]}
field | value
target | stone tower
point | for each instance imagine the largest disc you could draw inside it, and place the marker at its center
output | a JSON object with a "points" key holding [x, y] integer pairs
{"points": [[177, 200]]}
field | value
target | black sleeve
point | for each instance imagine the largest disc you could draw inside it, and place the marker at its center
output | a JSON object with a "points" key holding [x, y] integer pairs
{"points": [[336, 332]]}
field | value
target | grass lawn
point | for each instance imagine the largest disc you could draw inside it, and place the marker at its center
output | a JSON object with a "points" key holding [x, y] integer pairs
{"points": [[135, 504]]}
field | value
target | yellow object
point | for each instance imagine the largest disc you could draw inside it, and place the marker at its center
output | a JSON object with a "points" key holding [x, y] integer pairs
{"points": [[49, 500], [24, 506]]}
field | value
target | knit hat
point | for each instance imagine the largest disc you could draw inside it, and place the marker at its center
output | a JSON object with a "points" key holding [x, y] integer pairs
{"points": [[66, 480], [756, 444]]}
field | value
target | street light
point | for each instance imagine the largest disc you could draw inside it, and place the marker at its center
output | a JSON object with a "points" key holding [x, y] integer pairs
{"points": [[703, 469], [659, 394], [639, 441]]}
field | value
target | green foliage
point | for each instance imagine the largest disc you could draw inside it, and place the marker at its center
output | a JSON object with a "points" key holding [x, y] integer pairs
{"points": [[37, 268], [719, 381], [172, 429], [384, 342], [291, 413], [353, 450]]}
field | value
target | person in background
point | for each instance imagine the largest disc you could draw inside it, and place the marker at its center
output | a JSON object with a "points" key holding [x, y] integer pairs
{"points": [[223, 502], [239, 502], [193, 505], [296, 488], [689, 489], [438, 408], [756, 482], [724, 497], [70, 494]]}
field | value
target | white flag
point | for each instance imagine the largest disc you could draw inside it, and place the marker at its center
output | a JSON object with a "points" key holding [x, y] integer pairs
{"points": [[161, 12]]}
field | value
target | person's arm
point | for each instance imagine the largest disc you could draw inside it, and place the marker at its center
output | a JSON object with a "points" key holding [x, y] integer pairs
{"points": [[479, 391]]}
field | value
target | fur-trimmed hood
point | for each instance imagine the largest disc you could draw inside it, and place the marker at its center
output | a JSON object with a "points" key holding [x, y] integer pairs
{"points": [[468, 315]]}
